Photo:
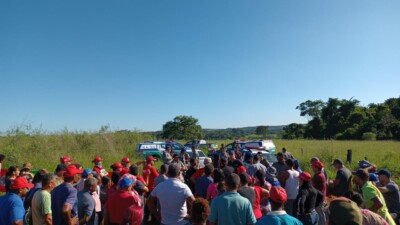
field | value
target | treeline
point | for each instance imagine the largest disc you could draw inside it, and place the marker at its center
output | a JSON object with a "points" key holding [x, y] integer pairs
{"points": [[347, 120]]}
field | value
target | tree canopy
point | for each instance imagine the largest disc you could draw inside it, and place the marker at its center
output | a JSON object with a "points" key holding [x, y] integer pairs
{"points": [[182, 127]]}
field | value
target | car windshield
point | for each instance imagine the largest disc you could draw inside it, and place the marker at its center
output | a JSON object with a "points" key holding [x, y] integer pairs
{"points": [[269, 157]]}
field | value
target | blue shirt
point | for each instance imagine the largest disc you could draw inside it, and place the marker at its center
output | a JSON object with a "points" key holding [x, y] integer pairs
{"points": [[231, 209], [11, 209], [202, 185], [86, 206], [278, 218], [63, 194]]}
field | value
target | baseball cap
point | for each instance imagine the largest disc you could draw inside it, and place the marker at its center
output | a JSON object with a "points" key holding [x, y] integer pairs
{"points": [[86, 172], [20, 182], [65, 159], [344, 211], [271, 172], [125, 182], [97, 159], [241, 169], [373, 177], [116, 165], [71, 170], [26, 165], [278, 194], [207, 160], [361, 173], [337, 161], [125, 160], [150, 158], [385, 172], [305, 176], [317, 164]]}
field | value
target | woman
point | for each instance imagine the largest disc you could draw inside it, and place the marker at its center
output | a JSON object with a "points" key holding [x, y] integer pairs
{"points": [[212, 190], [12, 173], [307, 200], [261, 188]]}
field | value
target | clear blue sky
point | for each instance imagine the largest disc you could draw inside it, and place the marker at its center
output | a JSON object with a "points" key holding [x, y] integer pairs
{"points": [[136, 64]]}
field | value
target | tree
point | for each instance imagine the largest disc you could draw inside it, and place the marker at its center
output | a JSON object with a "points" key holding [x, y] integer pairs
{"points": [[293, 131], [182, 127], [262, 130], [311, 109]]}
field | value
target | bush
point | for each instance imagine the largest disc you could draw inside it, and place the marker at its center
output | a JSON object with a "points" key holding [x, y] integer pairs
{"points": [[369, 136]]}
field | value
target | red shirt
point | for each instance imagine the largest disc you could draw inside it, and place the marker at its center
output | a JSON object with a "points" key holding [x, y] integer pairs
{"points": [[140, 178], [149, 174], [319, 182], [117, 204], [198, 173]]}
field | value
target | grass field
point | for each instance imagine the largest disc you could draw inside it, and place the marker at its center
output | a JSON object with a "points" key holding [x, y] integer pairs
{"points": [[44, 150]]}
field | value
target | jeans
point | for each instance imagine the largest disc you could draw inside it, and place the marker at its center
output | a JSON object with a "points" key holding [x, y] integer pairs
{"points": [[309, 219]]}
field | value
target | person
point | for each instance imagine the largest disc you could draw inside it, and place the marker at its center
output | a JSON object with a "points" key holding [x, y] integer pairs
{"points": [[256, 166], [174, 197], [193, 166], [2, 157], [297, 166], [149, 172], [175, 159], [230, 208], [223, 164], [117, 167], [87, 173], [245, 190], [167, 155], [319, 182], [59, 172], [184, 156], [199, 212], [195, 154], [278, 216], [162, 176], [11, 175], [203, 182], [124, 206], [105, 188], [200, 172], [12, 207], [307, 200], [290, 182], [125, 164], [216, 188], [26, 171], [64, 199], [231, 158], [271, 177], [98, 166], [37, 182], [390, 192], [237, 153], [342, 182], [373, 198], [86, 203], [369, 218], [312, 160], [65, 160], [41, 201], [223, 154], [280, 166], [261, 188], [286, 154], [343, 211]]}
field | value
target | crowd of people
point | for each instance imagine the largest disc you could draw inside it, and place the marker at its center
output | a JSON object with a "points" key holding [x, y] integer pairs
{"points": [[225, 191]]}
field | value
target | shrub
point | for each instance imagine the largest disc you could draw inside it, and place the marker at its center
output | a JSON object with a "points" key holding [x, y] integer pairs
{"points": [[369, 136]]}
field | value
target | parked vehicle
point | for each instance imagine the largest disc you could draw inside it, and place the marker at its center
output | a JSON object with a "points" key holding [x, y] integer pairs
{"points": [[202, 144], [202, 155], [267, 145], [156, 148], [249, 152]]}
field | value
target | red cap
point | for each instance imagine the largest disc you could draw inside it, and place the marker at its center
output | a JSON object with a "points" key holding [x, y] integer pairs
{"points": [[305, 176], [150, 158], [20, 182], [71, 170], [317, 164], [116, 165], [125, 160], [97, 159], [241, 169], [65, 159], [278, 194]]}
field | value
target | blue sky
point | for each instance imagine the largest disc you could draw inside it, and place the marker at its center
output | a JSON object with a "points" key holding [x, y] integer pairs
{"points": [[136, 64]]}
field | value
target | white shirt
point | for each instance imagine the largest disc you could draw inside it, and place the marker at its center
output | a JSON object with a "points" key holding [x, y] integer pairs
{"points": [[292, 184]]}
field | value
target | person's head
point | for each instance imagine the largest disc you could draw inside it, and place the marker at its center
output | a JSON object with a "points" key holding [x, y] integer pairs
{"points": [[232, 182], [384, 176], [283, 150], [49, 181], [193, 149], [231, 155], [361, 176], [39, 176], [65, 160], [279, 157], [126, 183], [244, 179], [296, 164], [87, 173], [223, 150], [134, 170], [313, 159], [125, 162], [116, 167], [20, 186], [60, 170], [106, 181], [355, 197], [72, 174], [26, 167], [317, 166], [168, 148], [150, 160], [338, 164], [175, 157], [163, 169], [208, 169], [219, 175], [343, 211], [174, 170], [241, 169], [289, 163], [98, 161], [91, 184], [13, 171], [304, 179], [2, 157], [256, 158], [223, 162], [271, 173], [207, 160], [277, 198], [115, 177], [200, 211], [260, 175], [193, 162]]}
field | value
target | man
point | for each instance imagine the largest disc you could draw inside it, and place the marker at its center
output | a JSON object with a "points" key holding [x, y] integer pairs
{"points": [[87, 173], [245, 190], [200, 172], [373, 198], [65, 160], [149, 172], [64, 198], [256, 166], [59, 172], [342, 182], [167, 155], [123, 202], [174, 197], [25, 171], [86, 203], [278, 216], [11, 205], [203, 182], [163, 175], [195, 155], [225, 168], [179, 162], [230, 208], [318, 180], [390, 192], [286, 154], [125, 163], [280, 166], [41, 201], [290, 182], [98, 166]]}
